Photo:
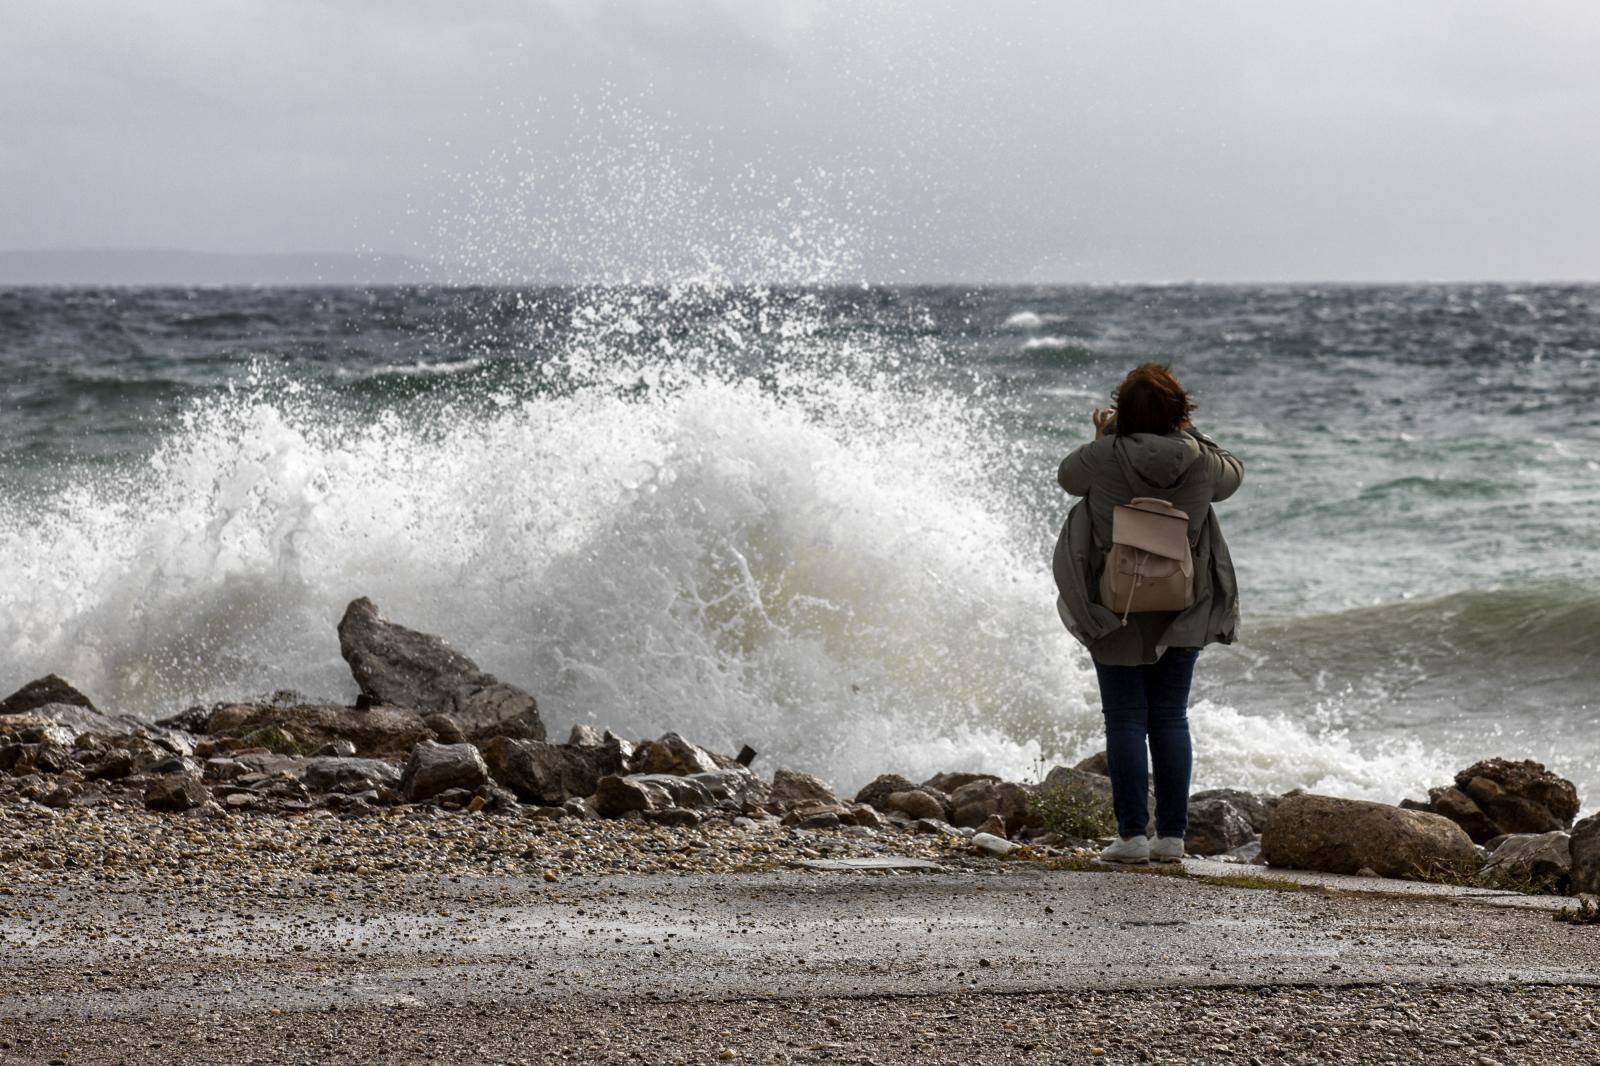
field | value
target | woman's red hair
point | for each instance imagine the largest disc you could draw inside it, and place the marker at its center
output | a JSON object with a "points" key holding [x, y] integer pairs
{"points": [[1150, 400]]}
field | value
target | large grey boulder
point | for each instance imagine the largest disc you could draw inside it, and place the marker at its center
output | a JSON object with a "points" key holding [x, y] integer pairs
{"points": [[1461, 809], [1520, 796], [877, 791], [374, 731], [46, 690], [816, 816], [951, 780], [978, 800], [498, 710], [62, 723], [791, 788], [1531, 860], [1311, 832], [549, 774], [1585, 854], [734, 788], [406, 668], [175, 792], [335, 773], [728, 789], [1216, 826], [672, 754], [617, 795], [914, 803], [434, 768], [1257, 807]]}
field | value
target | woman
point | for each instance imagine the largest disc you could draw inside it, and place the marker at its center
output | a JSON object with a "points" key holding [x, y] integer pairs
{"points": [[1147, 447]]}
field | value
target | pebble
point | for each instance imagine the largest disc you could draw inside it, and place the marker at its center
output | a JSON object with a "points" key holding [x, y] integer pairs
{"points": [[993, 845]]}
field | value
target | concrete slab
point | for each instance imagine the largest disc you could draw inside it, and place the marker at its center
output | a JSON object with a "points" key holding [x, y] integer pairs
{"points": [[891, 862], [134, 952], [1201, 867]]}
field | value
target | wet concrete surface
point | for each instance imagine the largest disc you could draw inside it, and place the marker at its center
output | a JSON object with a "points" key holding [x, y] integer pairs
{"points": [[85, 952], [1388, 886]]}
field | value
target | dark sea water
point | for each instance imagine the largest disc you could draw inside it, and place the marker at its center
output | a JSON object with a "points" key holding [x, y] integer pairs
{"points": [[816, 520]]}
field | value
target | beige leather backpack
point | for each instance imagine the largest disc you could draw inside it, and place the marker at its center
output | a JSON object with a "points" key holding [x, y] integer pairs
{"points": [[1150, 566]]}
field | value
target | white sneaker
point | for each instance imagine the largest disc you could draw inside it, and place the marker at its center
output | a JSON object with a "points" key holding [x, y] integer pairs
{"points": [[1166, 849], [1132, 850]]}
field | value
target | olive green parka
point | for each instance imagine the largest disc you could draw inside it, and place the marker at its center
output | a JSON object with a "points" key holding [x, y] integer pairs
{"points": [[1189, 471]]}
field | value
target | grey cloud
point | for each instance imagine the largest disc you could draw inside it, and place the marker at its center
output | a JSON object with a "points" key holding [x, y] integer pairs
{"points": [[900, 141]]}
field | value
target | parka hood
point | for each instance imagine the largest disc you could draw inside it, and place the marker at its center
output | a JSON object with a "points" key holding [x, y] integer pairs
{"points": [[1151, 462]]}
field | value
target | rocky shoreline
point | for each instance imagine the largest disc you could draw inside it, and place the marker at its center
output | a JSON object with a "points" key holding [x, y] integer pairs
{"points": [[441, 767]]}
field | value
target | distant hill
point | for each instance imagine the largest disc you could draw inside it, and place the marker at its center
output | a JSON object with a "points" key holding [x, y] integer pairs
{"points": [[174, 267]]}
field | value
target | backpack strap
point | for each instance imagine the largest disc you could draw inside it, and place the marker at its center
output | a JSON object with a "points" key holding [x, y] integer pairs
{"points": [[1138, 572]]}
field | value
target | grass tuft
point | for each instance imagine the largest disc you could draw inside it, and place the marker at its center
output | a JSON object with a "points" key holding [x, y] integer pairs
{"points": [[1255, 881], [1472, 875], [1585, 912], [1078, 862], [1074, 812], [275, 739]]}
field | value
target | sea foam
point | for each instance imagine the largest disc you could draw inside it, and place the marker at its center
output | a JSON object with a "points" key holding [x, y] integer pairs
{"points": [[829, 569], [822, 575], [1023, 320]]}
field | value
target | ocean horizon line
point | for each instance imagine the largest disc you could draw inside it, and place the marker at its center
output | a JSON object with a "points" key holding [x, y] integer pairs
{"points": [[138, 268]]}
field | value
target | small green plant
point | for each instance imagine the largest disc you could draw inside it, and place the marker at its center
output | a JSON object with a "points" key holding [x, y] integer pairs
{"points": [[1081, 862], [1585, 912], [1265, 884], [275, 739], [1072, 812]]}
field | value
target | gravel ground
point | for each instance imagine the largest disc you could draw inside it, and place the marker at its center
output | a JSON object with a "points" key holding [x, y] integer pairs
{"points": [[1380, 1024], [248, 853]]}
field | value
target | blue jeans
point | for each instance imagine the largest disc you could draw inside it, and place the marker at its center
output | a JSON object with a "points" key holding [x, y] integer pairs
{"points": [[1149, 703]]}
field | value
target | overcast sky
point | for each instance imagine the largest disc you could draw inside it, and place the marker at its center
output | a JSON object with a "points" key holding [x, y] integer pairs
{"points": [[1049, 141]]}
